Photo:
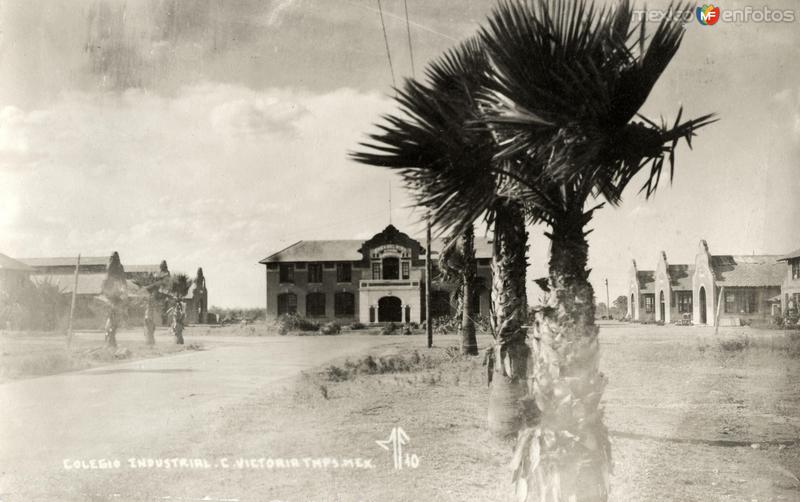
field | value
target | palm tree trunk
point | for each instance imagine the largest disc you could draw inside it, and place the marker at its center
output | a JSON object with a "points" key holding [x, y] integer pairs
{"points": [[508, 358], [565, 455], [111, 329], [469, 342], [149, 325]]}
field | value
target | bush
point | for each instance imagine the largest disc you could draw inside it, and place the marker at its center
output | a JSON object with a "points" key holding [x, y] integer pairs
{"points": [[736, 345], [389, 329], [357, 325], [331, 328], [294, 322]]}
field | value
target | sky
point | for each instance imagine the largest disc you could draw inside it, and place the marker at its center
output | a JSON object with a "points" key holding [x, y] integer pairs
{"points": [[213, 133]]}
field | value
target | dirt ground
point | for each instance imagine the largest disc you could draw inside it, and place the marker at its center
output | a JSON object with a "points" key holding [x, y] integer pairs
{"points": [[692, 417]]}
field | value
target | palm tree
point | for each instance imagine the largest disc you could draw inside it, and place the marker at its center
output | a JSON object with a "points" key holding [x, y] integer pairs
{"points": [[114, 296], [446, 160], [151, 285], [567, 85], [175, 292], [459, 268]]}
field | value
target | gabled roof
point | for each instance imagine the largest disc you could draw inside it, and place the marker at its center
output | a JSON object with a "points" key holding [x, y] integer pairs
{"points": [[748, 270], [9, 263], [680, 277], [88, 284], [647, 280], [792, 255], [65, 261], [347, 250]]}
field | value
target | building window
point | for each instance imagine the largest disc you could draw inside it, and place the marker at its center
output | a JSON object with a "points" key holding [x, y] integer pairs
{"points": [[741, 302], [649, 303], [391, 268], [406, 270], [287, 272], [684, 302], [287, 303], [344, 304], [376, 270], [315, 272], [315, 305], [796, 269], [344, 272]]}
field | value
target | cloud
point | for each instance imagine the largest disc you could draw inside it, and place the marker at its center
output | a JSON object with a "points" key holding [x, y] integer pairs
{"points": [[217, 176]]}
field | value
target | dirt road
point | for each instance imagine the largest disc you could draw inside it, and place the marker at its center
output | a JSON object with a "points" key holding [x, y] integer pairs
{"points": [[143, 409]]}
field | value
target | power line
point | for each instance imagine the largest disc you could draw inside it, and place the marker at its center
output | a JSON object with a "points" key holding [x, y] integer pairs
{"points": [[386, 41], [408, 32]]}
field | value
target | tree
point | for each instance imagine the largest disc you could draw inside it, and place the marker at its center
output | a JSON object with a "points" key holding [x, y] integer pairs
{"points": [[459, 267], [619, 307], [447, 161], [568, 82], [177, 288], [154, 299], [114, 296]]}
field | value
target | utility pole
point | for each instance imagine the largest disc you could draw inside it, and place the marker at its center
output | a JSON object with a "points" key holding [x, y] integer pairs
{"points": [[72, 305], [428, 273], [608, 301]]}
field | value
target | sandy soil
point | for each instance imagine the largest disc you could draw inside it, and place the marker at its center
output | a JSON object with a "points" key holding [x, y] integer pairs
{"points": [[691, 418]]}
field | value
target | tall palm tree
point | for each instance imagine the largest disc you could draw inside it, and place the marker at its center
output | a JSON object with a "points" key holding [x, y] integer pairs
{"points": [[447, 162], [567, 85], [458, 266]]}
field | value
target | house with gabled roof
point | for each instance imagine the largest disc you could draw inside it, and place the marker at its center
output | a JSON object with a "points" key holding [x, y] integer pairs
{"points": [[673, 290], [377, 280], [641, 294], [739, 288]]}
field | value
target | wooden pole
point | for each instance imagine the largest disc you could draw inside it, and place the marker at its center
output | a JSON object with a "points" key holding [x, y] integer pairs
{"points": [[428, 273], [72, 304], [719, 305]]}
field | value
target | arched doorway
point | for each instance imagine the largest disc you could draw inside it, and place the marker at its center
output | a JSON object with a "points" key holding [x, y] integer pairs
{"points": [[702, 296], [662, 307], [390, 309]]}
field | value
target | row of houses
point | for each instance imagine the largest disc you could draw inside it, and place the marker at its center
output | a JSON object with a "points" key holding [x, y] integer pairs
{"points": [[16, 274], [723, 289], [377, 280]]}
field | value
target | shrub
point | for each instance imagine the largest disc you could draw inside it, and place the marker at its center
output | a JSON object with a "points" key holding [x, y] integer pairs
{"points": [[331, 328], [294, 322], [735, 345], [389, 329], [357, 325]]}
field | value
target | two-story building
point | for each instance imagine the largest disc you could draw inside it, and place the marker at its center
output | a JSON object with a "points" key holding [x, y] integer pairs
{"points": [[790, 290], [378, 280]]}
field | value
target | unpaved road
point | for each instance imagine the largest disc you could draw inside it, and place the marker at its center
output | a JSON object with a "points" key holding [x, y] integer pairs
{"points": [[145, 408]]}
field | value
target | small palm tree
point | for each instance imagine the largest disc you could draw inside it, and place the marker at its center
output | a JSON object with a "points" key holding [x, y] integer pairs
{"points": [[151, 285], [177, 288], [569, 80], [447, 162]]}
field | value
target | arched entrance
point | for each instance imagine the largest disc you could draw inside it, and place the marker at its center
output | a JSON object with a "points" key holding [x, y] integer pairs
{"points": [[662, 307], [390, 309], [702, 295]]}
